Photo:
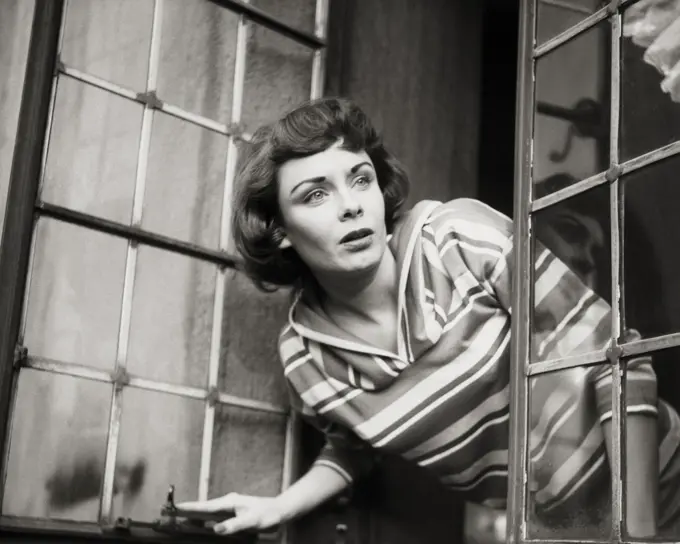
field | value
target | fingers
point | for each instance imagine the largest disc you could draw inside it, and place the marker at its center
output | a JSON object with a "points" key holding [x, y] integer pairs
{"points": [[239, 523], [226, 503]]}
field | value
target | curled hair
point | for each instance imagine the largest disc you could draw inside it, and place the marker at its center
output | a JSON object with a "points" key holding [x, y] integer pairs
{"points": [[308, 129]]}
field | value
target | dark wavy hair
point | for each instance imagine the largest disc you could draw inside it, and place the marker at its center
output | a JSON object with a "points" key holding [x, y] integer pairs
{"points": [[310, 128]]}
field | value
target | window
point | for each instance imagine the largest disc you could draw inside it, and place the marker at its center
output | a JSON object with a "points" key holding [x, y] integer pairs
{"points": [[598, 156], [143, 357]]}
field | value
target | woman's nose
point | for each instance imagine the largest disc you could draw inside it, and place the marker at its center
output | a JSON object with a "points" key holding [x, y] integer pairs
{"points": [[350, 208]]}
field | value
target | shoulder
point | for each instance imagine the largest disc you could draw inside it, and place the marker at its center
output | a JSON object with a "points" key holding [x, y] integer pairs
{"points": [[469, 215]]}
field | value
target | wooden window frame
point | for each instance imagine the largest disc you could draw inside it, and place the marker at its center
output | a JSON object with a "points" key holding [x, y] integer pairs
{"points": [[25, 207], [525, 207]]}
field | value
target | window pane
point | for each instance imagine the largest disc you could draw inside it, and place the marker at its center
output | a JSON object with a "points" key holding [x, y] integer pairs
{"points": [[572, 285], [185, 181], [93, 148], [15, 27], [250, 364], [160, 441], [296, 13], [198, 47], [75, 295], [650, 83], [110, 39], [247, 454], [569, 475], [172, 314], [651, 240], [571, 126], [58, 447], [556, 16], [278, 76]]}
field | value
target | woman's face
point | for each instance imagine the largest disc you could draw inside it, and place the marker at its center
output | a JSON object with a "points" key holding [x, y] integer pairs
{"points": [[333, 211]]}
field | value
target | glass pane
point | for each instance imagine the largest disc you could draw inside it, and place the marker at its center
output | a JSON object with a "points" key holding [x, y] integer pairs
{"points": [[556, 16], [93, 148], [198, 48], [247, 454], [250, 364], [278, 76], [569, 470], [172, 314], [650, 83], [185, 181], [16, 17], [110, 39], [651, 239], [653, 472], [572, 285], [571, 126], [75, 295], [160, 444], [296, 13], [58, 447]]}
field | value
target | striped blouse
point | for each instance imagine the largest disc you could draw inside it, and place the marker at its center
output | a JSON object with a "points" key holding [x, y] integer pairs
{"points": [[442, 400]]}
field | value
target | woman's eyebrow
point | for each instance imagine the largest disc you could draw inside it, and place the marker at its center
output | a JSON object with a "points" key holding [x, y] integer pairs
{"points": [[319, 179]]}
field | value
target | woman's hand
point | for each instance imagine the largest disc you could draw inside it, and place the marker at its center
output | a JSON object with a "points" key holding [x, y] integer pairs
{"points": [[256, 513]]}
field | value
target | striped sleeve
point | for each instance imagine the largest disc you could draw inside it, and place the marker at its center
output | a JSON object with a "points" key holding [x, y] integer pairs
{"points": [[568, 318], [343, 451]]}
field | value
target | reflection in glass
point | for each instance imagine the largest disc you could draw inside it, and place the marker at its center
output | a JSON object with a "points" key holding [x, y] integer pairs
{"points": [[185, 181], [572, 286], [651, 236], [569, 475], [556, 16], [15, 26], [110, 39], [278, 76], [172, 314], [248, 451], [93, 148], [75, 295], [652, 477], [198, 48], [58, 445], [571, 125], [650, 96], [250, 365], [160, 444], [296, 13]]}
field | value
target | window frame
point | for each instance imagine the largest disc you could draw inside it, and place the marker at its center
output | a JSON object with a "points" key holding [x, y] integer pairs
{"points": [[525, 207], [25, 207]]}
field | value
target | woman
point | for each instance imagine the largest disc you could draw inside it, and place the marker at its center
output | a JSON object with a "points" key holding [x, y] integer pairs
{"points": [[399, 332]]}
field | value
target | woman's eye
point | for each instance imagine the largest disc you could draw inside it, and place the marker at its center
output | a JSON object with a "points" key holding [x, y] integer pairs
{"points": [[314, 196], [362, 181]]}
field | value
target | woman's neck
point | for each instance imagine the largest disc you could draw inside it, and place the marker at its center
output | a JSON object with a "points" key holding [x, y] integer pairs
{"points": [[368, 294]]}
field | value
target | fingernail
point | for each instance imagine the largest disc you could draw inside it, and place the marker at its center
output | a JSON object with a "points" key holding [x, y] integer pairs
{"points": [[219, 529]]}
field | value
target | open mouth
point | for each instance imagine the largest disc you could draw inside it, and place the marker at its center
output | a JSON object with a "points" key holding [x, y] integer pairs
{"points": [[355, 235]]}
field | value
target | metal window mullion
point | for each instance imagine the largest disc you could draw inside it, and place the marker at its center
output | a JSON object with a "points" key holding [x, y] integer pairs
{"points": [[78, 370], [224, 242], [563, 363], [650, 158], [106, 499], [572, 32], [617, 460], [319, 58], [569, 192], [18, 232], [522, 288]]}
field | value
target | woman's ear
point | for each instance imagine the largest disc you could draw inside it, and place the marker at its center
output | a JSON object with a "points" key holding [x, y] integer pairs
{"points": [[284, 243], [281, 239]]}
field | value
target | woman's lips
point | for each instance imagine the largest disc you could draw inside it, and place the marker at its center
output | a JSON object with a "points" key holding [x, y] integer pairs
{"points": [[355, 235]]}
